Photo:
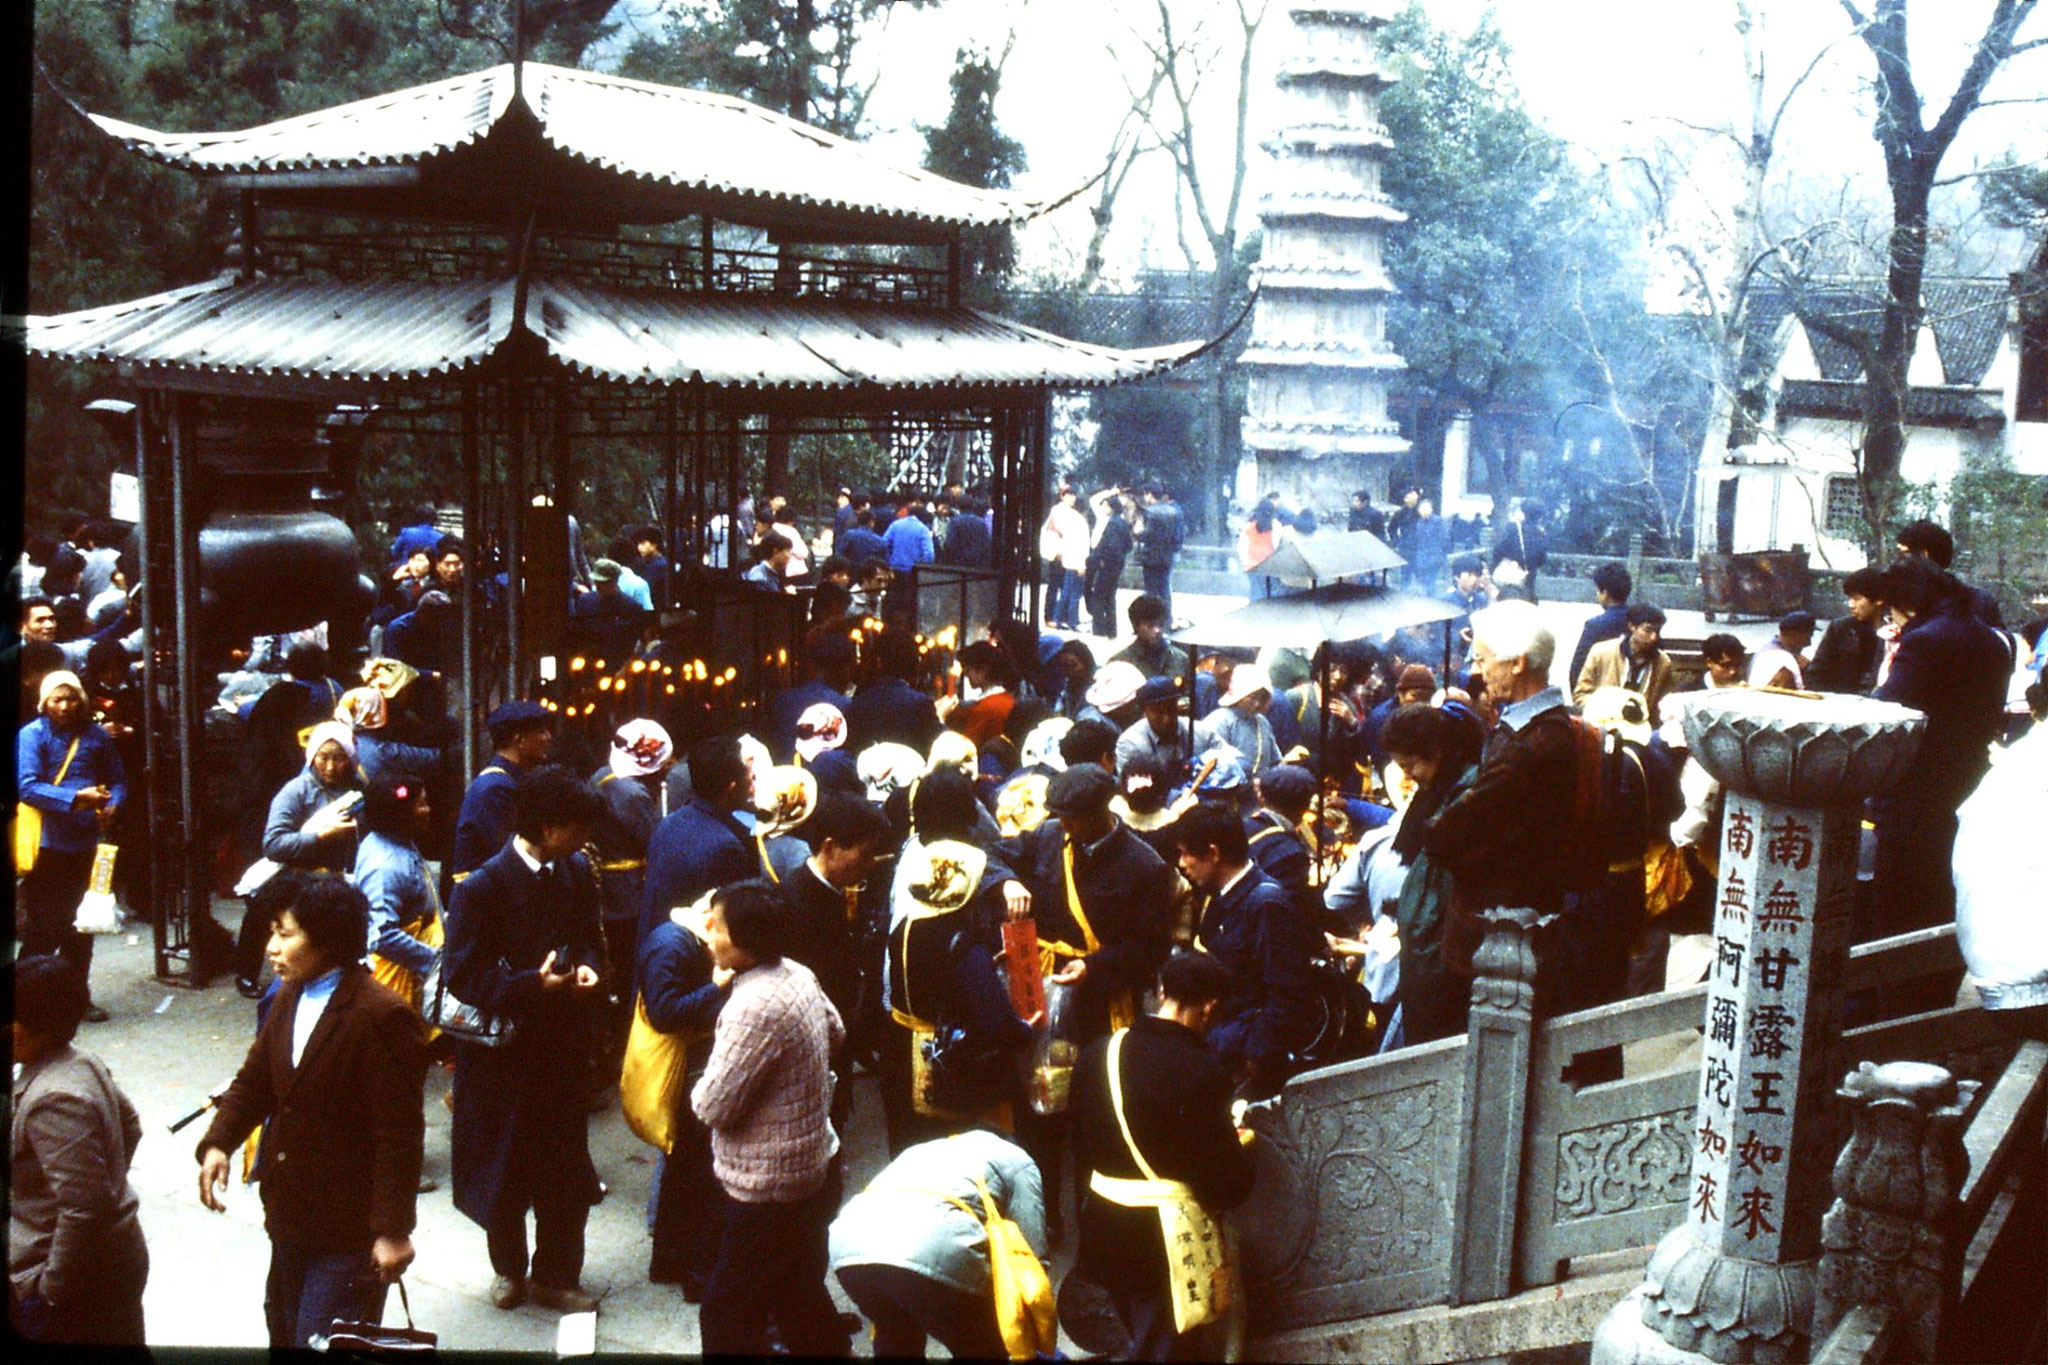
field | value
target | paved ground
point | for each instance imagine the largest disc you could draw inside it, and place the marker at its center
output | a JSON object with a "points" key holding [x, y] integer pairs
{"points": [[168, 1047], [1564, 618]]}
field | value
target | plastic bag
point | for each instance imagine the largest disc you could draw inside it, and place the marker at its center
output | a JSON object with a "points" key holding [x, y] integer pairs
{"points": [[97, 912], [1053, 1053]]}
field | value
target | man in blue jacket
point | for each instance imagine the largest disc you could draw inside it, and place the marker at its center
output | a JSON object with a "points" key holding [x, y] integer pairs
{"points": [[699, 846], [522, 736], [1253, 928], [1612, 585], [891, 709], [908, 537]]}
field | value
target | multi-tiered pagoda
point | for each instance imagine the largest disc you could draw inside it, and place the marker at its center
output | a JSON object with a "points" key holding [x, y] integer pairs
{"points": [[1319, 363]]}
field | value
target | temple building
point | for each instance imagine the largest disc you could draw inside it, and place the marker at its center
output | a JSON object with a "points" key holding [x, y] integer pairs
{"points": [[1319, 365]]}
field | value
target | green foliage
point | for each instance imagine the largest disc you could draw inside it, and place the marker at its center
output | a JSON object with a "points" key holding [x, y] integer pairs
{"points": [[794, 56], [1999, 517], [971, 148], [1520, 282]]}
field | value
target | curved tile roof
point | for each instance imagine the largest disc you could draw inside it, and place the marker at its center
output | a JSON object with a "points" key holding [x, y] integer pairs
{"points": [[691, 140], [390, 330]]}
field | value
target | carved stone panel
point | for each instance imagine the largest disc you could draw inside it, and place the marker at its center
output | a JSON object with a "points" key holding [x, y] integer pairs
{"points": [[1618, 1167], [1353, 1190]]}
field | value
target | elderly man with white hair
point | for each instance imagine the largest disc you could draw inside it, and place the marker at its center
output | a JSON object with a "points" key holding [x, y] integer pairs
{"points": [[1512, 837]]}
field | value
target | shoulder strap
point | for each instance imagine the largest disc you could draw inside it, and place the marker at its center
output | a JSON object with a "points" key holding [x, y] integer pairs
{"points": [[493, 768], [1088, 938], [70, 754], [1116, 1099]]}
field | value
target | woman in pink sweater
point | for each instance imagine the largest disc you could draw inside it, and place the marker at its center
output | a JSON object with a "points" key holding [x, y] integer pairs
{"points": [[766, 1096]]}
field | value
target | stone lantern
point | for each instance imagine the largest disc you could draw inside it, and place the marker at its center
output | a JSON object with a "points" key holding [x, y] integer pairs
{"points": [[1735, 1281]]}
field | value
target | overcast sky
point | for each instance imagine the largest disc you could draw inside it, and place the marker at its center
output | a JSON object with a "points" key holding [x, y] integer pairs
{"points": [[1604, 74]]}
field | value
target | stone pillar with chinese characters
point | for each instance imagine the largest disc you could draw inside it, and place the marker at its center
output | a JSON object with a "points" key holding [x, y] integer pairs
{"points": [[1734, 1282]]}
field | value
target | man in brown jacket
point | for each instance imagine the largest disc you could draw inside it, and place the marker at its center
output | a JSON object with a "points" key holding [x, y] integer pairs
{"points": [[76, 1260], [1634, 661], [335, 1076]]}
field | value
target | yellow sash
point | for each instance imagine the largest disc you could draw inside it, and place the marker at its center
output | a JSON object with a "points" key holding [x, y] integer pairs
{"points": [[1123, 1008], [28, 819], [403, 981], [1200, 1275]]}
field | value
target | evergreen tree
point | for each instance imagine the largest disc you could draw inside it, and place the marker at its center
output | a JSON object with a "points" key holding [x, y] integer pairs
{"points": [[792, 56], [971, 148]]}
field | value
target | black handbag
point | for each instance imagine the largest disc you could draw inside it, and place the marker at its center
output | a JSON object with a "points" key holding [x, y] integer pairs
{"points": [[463, 1022], [374, 1338]]}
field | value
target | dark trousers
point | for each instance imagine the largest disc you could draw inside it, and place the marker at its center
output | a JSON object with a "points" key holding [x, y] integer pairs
{"points": [[49, 903], [771, 1269], [1914, 888], [907, 1307], [250, 943], [1159, 582], [105, 1311], [1099, 591], [308, 1290], [688, 1211], [1065, 609], [1148, 1317], [557, 1234], [1046, 1137]]}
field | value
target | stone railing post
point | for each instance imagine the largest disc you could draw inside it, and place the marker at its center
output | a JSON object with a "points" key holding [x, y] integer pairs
{"points": [[1734, 1281], [1887, 1239], [1498, 1049]]}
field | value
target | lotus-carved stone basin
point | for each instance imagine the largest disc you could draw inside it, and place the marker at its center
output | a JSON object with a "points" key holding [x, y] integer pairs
{"points": [[1802, 751]]}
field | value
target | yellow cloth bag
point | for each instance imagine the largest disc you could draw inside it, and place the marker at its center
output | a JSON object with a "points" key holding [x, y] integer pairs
{"points": [[28, 820], [651, 1081], [1667, 879], [1027, 1314], [1200, 1275]]}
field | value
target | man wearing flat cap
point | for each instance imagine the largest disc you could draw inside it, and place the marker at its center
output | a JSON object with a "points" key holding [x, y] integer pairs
{"points": [[1103, 902], [522, 736], [1160, 732]]}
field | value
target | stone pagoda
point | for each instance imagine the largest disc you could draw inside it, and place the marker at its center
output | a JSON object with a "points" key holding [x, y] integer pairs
{"points": [[1318, 362]]}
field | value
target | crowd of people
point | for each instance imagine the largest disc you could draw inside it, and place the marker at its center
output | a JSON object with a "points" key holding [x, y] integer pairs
{"points": [[1070, 912]]}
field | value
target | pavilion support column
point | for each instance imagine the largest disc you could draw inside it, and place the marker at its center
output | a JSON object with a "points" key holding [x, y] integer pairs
{"points": [[1735, 1280], [472, 527], [171, 676], [515, 539]]}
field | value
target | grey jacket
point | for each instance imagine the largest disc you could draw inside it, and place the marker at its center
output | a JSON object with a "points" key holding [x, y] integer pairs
{"points": [[72, 1215], [903, 1219], [294, 804]]}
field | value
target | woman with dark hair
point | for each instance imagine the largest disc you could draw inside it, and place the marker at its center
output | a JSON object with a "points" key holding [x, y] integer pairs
{"points": [[405, 910], [335, 1077], [1437, 747], [766, 1096], [76, 1259], [1071, 673]]}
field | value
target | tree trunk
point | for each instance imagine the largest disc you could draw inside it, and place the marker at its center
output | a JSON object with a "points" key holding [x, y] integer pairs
{"points": [[1884, 416]]}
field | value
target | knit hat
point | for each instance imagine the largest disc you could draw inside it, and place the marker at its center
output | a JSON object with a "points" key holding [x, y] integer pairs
{"points": [[1245, 680], [330, 730], [1116, 686], [56, 678], [640, 748]]}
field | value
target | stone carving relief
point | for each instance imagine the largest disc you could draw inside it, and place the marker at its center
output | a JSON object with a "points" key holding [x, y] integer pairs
{"points": [[1637, 1163], [1370, 1172]]}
